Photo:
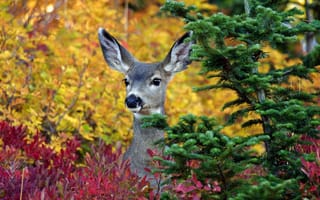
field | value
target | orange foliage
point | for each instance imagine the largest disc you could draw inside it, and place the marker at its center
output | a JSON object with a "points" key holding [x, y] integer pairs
{"points": [[53, 77]]}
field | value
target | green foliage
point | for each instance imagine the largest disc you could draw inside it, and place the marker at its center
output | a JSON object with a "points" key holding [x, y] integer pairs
{"points": [[233, 52], [156, 120], [269, 188], [313, 58], [197, 148]]}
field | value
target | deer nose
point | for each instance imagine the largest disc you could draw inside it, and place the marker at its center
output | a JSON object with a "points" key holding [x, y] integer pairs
{"points": [[133, 101]]}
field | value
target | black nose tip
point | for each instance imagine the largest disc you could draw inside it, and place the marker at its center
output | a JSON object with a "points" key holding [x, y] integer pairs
{"points": [[133, 101]]}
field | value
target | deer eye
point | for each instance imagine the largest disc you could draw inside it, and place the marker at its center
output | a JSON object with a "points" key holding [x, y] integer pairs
{"points": [[156, 81], [126, 82]]}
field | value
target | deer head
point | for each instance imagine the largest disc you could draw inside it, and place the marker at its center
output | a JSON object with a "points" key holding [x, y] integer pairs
{"points": [[146, 83]]}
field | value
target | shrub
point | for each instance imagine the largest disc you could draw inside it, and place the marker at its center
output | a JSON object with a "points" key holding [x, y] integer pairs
{"points": [[30, 169], [310, 167]]}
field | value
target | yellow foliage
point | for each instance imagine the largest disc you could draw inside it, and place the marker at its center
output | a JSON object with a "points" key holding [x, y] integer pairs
{"points": [[53, 77]]}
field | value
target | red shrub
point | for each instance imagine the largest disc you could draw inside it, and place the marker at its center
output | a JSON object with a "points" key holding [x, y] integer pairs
{"points": [[107, 177], [311, 188], [193, 189], [32, 169], [12, 136]]}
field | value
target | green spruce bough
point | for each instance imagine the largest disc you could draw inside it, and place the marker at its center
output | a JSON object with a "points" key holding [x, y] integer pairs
{"points": [[284, 113]]}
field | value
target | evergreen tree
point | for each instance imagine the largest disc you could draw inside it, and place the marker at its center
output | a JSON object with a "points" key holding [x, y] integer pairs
{"points": [[196, 145]]}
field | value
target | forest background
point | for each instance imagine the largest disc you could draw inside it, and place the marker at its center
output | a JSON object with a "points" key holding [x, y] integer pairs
{"points": [[53, 78]]}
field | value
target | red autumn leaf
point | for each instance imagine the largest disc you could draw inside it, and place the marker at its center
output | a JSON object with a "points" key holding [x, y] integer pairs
{"points": [[184, 188], [196, 181]]}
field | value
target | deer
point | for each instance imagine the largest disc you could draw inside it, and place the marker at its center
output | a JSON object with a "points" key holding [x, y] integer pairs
{"points": [[146, 85]]}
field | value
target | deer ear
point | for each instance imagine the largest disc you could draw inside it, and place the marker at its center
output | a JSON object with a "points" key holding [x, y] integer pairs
{"points": [[178, 57], [115, 55]]}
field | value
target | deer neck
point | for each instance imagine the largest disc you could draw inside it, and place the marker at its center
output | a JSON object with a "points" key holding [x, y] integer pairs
{"points": [[143, 139], [143, 133]]}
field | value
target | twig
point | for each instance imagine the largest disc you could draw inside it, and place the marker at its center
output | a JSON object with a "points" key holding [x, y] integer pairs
{"points": [[76, 97], [224, 182], [22, 180]]}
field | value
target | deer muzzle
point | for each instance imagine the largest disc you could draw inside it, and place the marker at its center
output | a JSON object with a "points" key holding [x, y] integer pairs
{"points": [[134, 103]]}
